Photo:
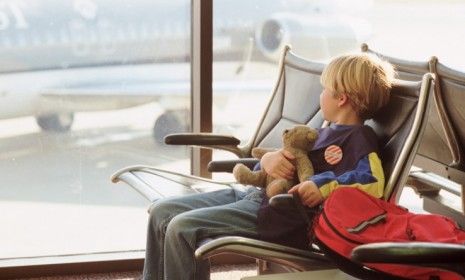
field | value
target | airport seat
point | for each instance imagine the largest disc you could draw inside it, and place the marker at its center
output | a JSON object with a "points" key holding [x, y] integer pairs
{"points": [[294, 100], [438, 174], [399, 125]]}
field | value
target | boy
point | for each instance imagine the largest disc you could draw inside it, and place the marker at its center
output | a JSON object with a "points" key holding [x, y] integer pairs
{"points": [[356, 86], [345, 153]]}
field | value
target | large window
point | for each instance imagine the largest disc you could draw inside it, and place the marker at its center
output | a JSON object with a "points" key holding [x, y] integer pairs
{"points": [[86, 87], [91, 86], [248, 43], [318, 30]]}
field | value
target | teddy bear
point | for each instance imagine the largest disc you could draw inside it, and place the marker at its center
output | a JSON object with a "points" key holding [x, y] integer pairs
{"points": [[298, 140]]}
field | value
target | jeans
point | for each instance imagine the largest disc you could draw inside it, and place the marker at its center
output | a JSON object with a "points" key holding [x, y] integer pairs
{"points": [[177, 225]]}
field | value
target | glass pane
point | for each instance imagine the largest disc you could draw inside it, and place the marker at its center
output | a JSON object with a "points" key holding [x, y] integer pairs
{"points": [[248, 41], [250, 36], [86, 87], [420, 30]]}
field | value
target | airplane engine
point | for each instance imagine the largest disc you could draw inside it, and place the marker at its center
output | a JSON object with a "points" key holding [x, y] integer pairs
{"points": [[317, 36]]}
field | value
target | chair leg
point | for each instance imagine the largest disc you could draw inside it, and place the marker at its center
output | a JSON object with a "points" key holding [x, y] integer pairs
{"points": [[264, 267], [261, 267]]}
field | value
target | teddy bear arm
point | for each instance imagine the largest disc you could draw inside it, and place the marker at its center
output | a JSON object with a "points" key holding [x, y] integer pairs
{"points": [[244, 175]]}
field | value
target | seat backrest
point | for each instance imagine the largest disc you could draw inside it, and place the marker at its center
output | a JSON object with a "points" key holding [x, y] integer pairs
{"points": [[295, 100], [399, 126], [451, 84], [439, 147], [406, 69]]}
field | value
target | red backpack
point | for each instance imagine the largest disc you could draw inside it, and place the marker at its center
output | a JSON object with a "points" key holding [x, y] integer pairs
{"points": [[351, 217]]}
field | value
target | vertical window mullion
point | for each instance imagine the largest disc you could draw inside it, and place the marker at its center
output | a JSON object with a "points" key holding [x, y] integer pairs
{"points": [[201, 80]]}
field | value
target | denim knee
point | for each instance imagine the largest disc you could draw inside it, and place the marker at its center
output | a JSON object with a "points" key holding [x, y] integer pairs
{"points": [[178, 224], [181, 227], [160, 215]]}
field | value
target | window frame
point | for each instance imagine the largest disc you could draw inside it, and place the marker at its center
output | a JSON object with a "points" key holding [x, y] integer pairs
{"points": [[201, 121]]}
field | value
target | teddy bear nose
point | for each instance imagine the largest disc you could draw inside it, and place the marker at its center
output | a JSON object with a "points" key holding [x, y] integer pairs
{"points": [[286, 130]]}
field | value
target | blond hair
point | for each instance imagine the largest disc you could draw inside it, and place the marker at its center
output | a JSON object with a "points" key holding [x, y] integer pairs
{"points": [[364, 78]]}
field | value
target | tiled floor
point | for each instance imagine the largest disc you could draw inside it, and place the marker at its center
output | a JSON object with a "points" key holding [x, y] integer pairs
{"points": [[223, 272]]}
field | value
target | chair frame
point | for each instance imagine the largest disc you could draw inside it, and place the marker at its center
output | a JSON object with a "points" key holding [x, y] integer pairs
{"points": [[432, 176], [296, 259], [133, 175], [285, 255], [420, 68]]}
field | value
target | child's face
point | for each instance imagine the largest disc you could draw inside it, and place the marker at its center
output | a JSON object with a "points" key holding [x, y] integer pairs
{"points": [[328, 105]]}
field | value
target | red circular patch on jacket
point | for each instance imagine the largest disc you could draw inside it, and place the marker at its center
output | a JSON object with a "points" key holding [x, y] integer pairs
{"points": [[333, 154]]}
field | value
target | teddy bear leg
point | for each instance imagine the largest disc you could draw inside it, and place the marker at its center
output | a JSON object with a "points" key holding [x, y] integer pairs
{"points": [[245, 176], [278, 186]]}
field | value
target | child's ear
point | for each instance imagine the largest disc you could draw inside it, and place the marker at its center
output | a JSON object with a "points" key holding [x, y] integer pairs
{"points": [[342, 99]]}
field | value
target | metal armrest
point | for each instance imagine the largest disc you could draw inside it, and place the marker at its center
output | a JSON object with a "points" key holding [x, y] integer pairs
{"points": [[154, 183], [290, 202], [428, 183], [283, 201], [298, 259], [409, 253], [206, 140], [440, 255], [228, 165], [440, 195]]}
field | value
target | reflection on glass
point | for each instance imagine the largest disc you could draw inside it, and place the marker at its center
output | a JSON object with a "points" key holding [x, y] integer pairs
{"points": [[258, 33], [90, 86], [420, 30], [86, 87], [317, 30]]}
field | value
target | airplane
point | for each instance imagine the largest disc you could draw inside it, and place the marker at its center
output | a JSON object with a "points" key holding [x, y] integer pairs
{"points": [[61, 57]]}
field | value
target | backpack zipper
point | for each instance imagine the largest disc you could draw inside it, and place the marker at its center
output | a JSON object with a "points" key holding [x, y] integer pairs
{"points": [[333, 228], [363, 225]]}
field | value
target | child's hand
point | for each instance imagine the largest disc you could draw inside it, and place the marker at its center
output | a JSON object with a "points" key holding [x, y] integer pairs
{"points": [[308, 192], [278, 164]]}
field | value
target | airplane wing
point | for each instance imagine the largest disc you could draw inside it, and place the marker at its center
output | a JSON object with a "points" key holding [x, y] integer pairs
{"points": [[111, 97], [122, 86], [110, 88]]}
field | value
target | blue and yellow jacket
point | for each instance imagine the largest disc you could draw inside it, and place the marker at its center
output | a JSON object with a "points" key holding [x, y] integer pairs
{"points": [[343, 155], [347, 155]]}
